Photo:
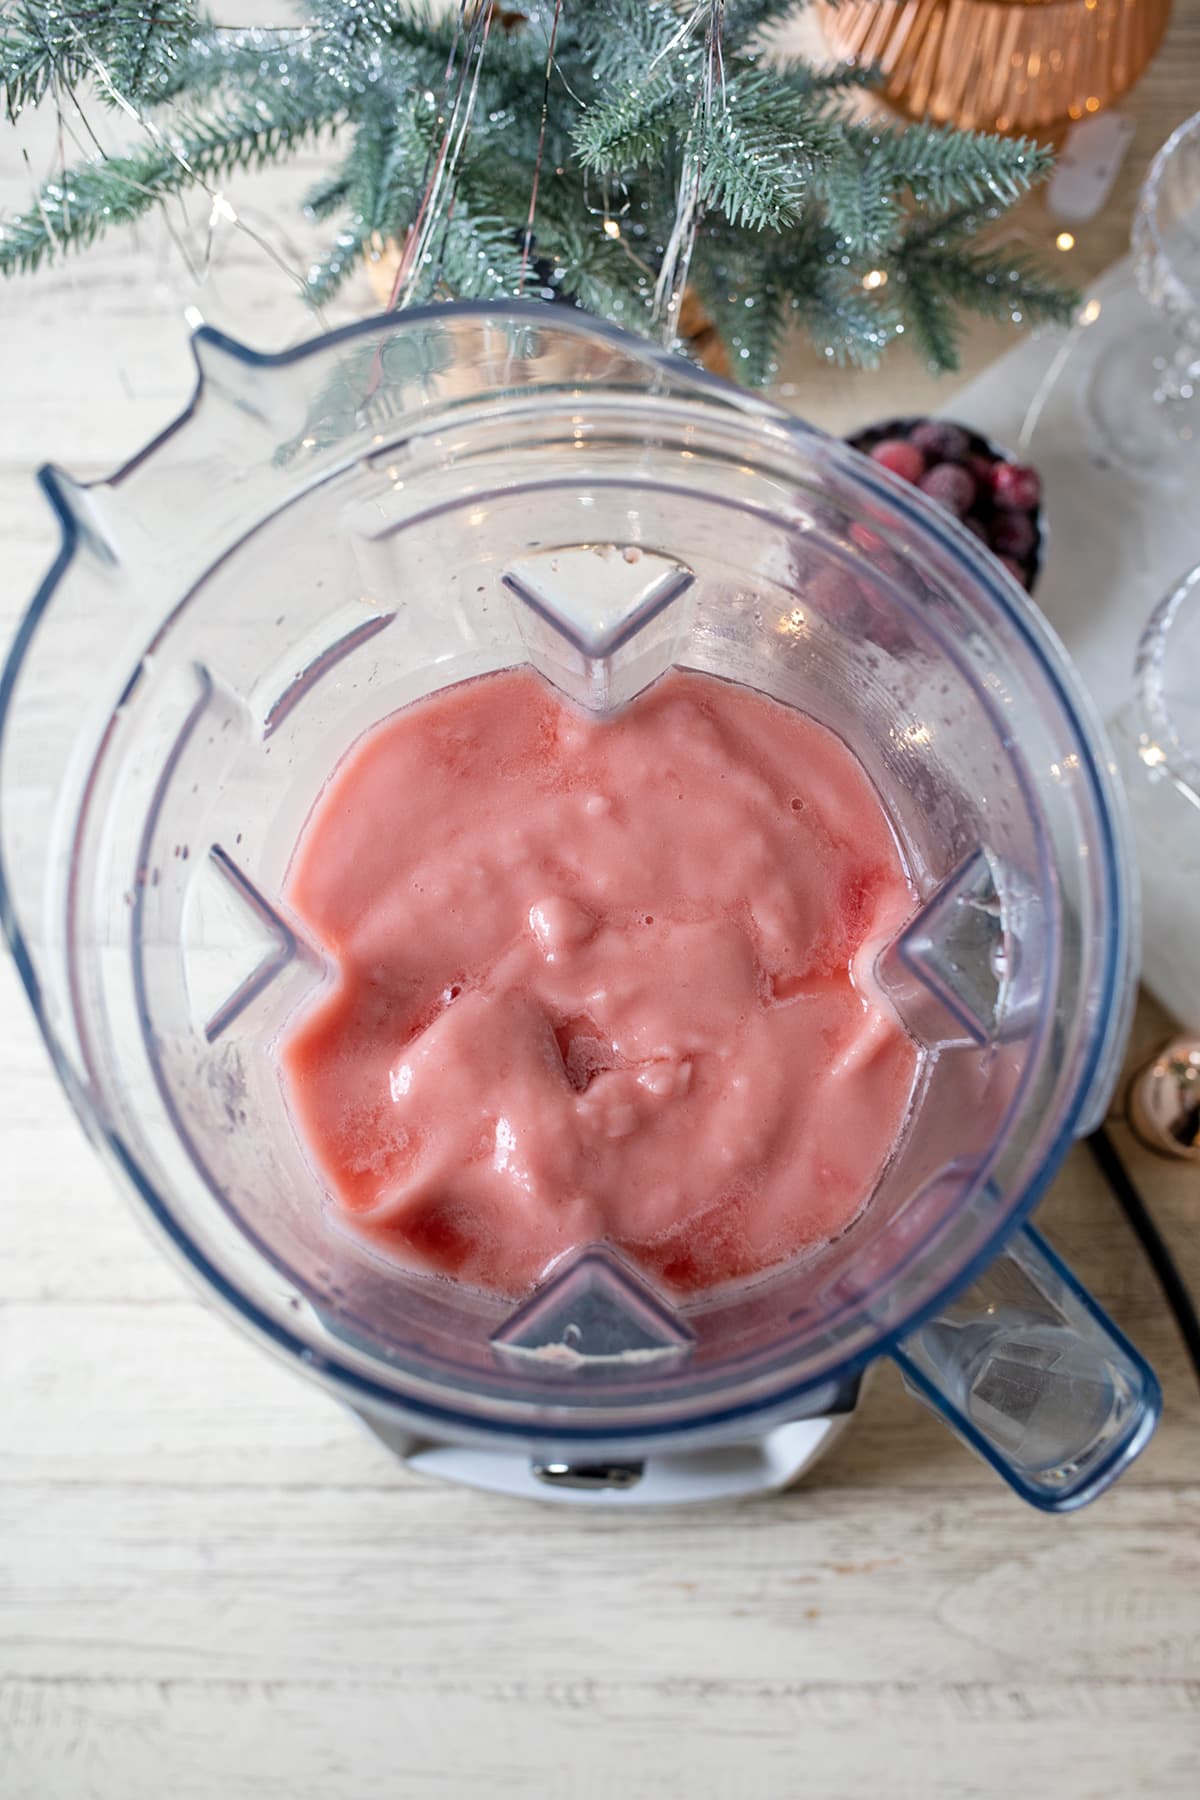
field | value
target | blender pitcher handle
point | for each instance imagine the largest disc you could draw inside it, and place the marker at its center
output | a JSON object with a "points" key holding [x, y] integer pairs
{"points": [[1031, 1374]]}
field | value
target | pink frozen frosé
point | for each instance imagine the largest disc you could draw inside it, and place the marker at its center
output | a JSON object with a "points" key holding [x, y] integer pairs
{"points": [[599, 980]]}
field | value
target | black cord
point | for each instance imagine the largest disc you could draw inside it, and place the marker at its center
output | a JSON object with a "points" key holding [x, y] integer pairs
{"points": [[1159, 1257]]}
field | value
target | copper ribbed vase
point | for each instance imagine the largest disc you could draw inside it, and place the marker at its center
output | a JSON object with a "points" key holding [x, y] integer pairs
{"points": [[1000, 65]]}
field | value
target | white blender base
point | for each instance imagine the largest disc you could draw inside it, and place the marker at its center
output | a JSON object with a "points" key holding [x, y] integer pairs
{"points": [[765, 1465]]}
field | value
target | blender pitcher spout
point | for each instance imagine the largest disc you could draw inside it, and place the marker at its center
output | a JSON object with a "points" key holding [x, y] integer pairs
{"points": [[1028, 1371]]}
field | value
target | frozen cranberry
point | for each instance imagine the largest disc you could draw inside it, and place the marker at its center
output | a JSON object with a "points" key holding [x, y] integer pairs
{"points": [[1013, 534], [882, 559], [983, 468], [866, 539], [902, 459], [940, 441], [837, 597], [1016, 485], [951, 486]]}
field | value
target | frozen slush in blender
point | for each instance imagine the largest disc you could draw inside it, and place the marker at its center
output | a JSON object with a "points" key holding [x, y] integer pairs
{"points": [[331, 534]]}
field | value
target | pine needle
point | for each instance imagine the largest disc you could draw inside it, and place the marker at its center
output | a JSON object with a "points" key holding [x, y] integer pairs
{"points": [[799, 209], [71, 212]]}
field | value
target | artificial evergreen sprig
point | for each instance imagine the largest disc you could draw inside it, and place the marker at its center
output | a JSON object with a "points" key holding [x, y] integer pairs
{"points": [[940, 263], [142, 43], [439, 115], [865, 188]]}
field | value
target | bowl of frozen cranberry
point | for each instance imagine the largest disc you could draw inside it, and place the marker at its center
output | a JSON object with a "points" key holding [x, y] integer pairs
{"points": [[997, 498]]}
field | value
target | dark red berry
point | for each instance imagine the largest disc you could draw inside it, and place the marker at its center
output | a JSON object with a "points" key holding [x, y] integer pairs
{"points": [[983, 468], [940, 441], [1016, 485], [951, 486], [885, 627], [866, 539], [901, 458], [1015, 570], [1013, 534], [881, 558], [837, 597]]}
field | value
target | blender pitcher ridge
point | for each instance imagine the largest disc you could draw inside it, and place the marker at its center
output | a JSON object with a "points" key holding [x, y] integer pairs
{"points": [[333, 532]]}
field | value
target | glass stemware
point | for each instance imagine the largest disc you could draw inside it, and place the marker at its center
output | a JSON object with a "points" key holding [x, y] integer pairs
{"points": [[1145, 390], [1156, 738]]}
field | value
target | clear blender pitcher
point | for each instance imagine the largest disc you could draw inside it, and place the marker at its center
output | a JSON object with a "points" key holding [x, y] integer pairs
{"points": [[327, 535]]}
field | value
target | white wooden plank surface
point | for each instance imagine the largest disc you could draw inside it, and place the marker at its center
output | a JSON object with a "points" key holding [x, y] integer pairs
{"points": [[637, 1739], [216, 1586]]}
